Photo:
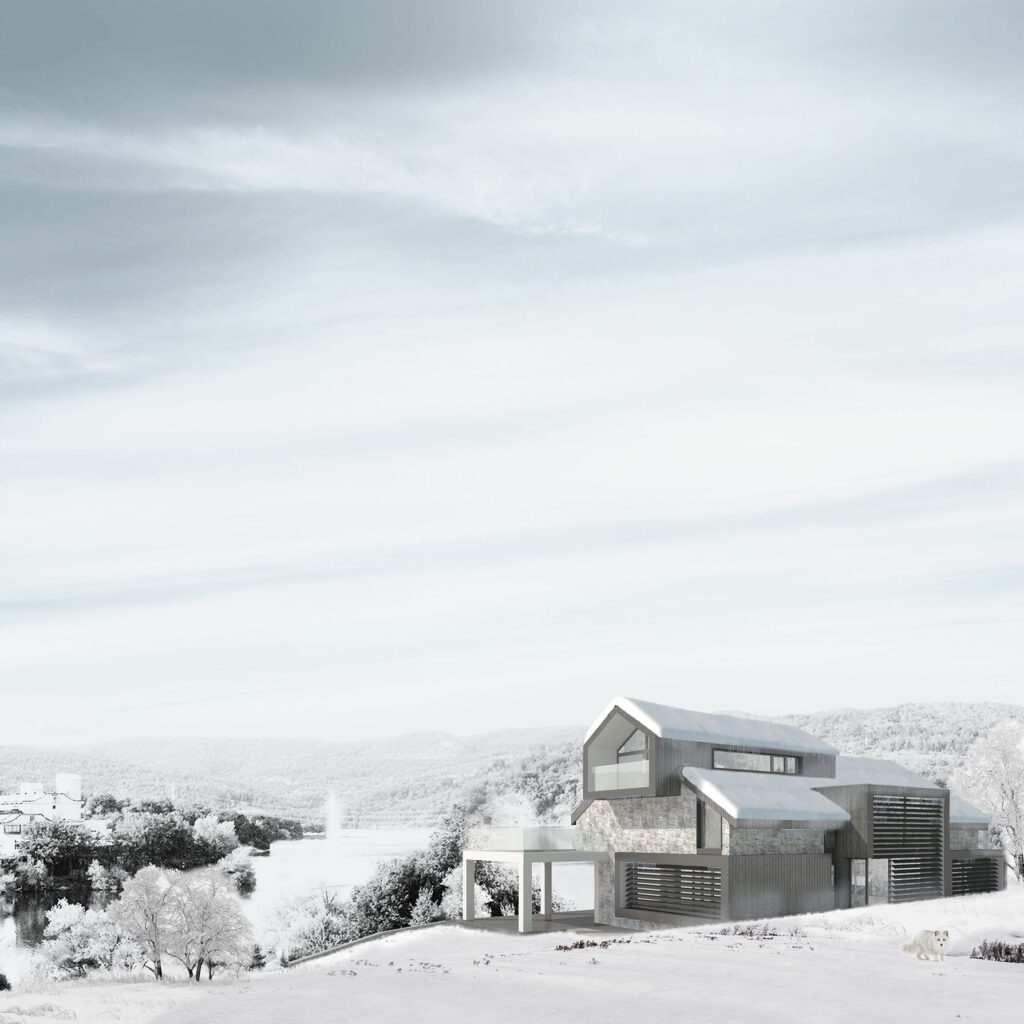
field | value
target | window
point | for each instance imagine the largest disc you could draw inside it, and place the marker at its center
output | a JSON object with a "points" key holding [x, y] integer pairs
{"points": [[12, 830], [742, 761], [634, 749], [709, 827]]}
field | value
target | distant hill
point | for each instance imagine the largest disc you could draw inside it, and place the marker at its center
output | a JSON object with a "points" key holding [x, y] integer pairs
{"points": [[510, 775], [407, 780], [932, 739]]}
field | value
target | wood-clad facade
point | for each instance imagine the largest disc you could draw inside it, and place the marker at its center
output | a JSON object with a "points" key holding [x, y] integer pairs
{"points": [[782, 833]]}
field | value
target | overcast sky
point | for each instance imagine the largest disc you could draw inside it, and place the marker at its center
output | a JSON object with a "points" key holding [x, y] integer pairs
{"points": [[376, 367]]}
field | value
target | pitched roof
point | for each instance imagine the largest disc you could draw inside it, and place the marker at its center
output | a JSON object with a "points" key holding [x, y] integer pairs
{"points": [[730, 730], [851, 771], [751, 797]]}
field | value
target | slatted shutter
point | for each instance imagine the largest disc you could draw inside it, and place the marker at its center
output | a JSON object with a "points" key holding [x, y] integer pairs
{"points": [[915, 878], [974, 876], [691, 889], [907, 826]]}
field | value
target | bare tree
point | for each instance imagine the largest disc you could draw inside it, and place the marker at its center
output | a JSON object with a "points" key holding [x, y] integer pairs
{"points": [[143, 912], [207, 924], [993, 778]]}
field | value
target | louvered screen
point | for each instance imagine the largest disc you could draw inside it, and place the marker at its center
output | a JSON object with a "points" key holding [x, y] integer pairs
{"points": [[907, 826], [974, 876], [688, 889], [915, 878]]}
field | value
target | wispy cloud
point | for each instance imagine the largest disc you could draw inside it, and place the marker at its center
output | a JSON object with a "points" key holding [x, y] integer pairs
{"points": [[408, 351]]}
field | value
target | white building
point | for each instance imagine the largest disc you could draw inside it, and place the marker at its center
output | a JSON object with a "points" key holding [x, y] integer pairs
{"points": [[32, 803]]}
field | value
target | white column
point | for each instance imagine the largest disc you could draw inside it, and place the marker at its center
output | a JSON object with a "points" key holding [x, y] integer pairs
{"points": [[525, 894], [545, 891], [468, 887]]}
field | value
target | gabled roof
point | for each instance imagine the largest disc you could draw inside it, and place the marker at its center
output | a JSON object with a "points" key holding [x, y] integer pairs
{"points": [[752, 797], [876, 771], [729, 730], [748, 798]]}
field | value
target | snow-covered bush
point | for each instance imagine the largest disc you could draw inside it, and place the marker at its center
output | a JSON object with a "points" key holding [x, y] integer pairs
{"points": [[31, 874], [103, 879], [237, 865], [309, 926], [425, 910], [219, 835], [78, 941], [1004, 952]]}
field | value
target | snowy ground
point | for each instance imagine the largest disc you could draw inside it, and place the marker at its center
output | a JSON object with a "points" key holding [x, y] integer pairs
{"points": [[844, 967]]}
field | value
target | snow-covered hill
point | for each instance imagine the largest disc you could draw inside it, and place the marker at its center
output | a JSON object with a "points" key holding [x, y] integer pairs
{"points": [[932, 739], [846, 967], [508, 775]]}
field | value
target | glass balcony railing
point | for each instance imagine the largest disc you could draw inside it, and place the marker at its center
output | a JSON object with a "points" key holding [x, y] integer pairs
{"points": [[537, 837], [630, 775]]}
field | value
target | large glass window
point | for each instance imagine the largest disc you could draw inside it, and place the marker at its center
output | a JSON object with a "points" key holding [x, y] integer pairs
{"points": [[12, 830], [618, 756], [634, 749], [743, 761], [869, 881]]}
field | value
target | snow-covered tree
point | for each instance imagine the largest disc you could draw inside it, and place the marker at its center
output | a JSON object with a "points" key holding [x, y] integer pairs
{"points": [[217, 834], [425, 910], [143, 912], [102, 879], [993, 778], [206, 924], [79, 940]]}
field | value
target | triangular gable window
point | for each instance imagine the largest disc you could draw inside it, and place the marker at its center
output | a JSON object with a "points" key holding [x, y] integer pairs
{"points": [[634, 749]]}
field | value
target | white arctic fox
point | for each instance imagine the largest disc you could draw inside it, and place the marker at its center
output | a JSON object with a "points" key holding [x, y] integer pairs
{"points": [[928, 944]]}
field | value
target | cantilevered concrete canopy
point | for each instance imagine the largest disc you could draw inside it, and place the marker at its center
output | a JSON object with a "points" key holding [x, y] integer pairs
{"points": [[523, 847]]}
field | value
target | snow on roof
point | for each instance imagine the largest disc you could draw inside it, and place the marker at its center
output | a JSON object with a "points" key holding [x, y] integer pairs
{"points": [[963, 813], [875, 771], [852, 771], [680, 724], [760, 796]]}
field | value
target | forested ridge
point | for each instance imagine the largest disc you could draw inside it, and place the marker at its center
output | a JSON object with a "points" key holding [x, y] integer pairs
{"points": [[507, 775]]}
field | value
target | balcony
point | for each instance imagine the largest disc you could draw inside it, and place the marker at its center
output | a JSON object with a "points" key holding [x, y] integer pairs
{"points": [[628, 775], [538, 837]]}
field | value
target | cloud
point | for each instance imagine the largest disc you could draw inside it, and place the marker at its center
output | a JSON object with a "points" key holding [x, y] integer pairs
{"points": [[504, 354]]}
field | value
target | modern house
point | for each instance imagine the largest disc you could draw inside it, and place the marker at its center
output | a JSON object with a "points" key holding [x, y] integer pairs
{"points": [[32, 804], [689, 817]]}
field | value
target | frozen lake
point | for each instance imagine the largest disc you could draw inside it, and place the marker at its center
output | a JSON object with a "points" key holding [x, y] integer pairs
{"points": [[310, 866], [293, 869]]}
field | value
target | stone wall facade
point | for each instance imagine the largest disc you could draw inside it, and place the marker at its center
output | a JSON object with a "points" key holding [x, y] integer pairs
{"points": [[969, 839], [782, 840], [665, 824], [668, 825]]}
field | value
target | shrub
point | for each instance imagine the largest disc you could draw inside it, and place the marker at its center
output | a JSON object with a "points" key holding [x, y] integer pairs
{"points": [[1004, 952], [5, 985]]}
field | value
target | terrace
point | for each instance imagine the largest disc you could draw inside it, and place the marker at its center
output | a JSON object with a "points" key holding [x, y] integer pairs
{"points": [[525, 847]]}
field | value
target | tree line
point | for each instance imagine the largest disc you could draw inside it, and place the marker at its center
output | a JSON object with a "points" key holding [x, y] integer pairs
{"points": [[420, 888], [140, 835]]}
